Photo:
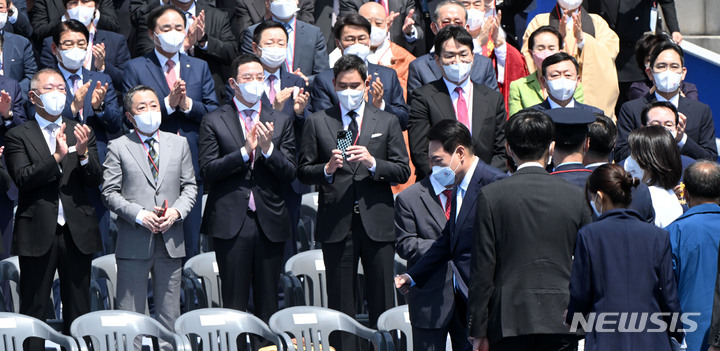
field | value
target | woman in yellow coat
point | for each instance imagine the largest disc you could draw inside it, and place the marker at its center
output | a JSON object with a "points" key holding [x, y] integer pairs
{"points": [[594, 45]]}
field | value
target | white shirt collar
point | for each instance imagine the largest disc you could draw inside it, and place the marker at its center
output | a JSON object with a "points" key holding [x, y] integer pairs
{"points": [[43, 123], [292, 22], [163, 60], [240, 106], [381, 53], [675, 100], [155, 136], [468, 176], [437, 187], [596, 164], [554, 105], [360, 110], [530, 164], [66, 74], [276, 74], [464, 85], [191, 10]]}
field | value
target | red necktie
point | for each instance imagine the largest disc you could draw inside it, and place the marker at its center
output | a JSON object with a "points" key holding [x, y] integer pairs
{"points": [[462, 110], [448, 202]]}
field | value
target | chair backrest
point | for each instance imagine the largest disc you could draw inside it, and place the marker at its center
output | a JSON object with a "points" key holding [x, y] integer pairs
{"points": [[15, 328], [309, 267], [204, 267], [105, 267], [117, 330], [219, 328], [311, 327], [10, 272], [397, 319]]}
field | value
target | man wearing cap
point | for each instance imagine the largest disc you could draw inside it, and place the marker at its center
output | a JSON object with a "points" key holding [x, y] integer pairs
{"points": [[560, 79], [571, 143]]}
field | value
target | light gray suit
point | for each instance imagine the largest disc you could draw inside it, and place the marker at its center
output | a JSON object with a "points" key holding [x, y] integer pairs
{"points": [[130, 187]]}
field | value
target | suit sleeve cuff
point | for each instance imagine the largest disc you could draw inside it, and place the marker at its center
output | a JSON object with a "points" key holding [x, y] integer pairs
{"points": [[683, 141], [84, 162], [140, 216], [412, 37], [245, 155]]}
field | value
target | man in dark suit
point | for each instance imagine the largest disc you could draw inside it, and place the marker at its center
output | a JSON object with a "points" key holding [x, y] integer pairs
{"points": [[306, 50], [5, 184], [425, 69], [46, 14], [18, 61], [107, 51], [55, 225], [249, 13], [560, 79], [449, 138], [602, 135], [571, 142], [355, 214], [186, 89], [13, 115], [386, 93], [247, 153], [17, 21], [665, 114], [524, 239], [667, 69], [455, 96]]}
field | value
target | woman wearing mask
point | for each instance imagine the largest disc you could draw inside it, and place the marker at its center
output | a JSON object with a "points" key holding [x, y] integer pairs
{"points": [[622, 265], [590, 40], [655, 159], [527, 91]]}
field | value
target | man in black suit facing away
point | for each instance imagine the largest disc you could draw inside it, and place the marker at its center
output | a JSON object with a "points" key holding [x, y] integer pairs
{"points": [[525, 231], [52, 160], [560, 78], [455, 96], [355, 214], [247, 154]]}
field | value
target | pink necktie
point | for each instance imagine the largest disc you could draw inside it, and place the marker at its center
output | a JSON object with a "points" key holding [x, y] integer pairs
{"points": [[249, 123], [448, 202], [272, 91], [462, 110], [170, 75]]}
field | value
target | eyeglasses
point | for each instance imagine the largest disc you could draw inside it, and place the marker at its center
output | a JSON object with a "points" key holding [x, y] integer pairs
{"points": [[662, 66], [249, 77], [667, 124], [67, 44], [352, 40]]}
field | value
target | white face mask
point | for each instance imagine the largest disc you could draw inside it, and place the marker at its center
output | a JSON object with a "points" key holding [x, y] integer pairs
{"points": [[73, 58], [445, 175], [350, 99], [562, 88], [53, 102], [598, 211], [148, 122], [171, 41], [667, 81], [458, 72], [252, 92], [273, 57], [377, 36], [3, 19], [569, 4], [82, 13], [360, 50], [632, 167], [185, 1], [283, 9], [475, 19]]}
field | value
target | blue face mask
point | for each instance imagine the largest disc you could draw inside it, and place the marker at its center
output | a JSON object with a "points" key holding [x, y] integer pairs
{"points": [[597, 211], [445, 175]]}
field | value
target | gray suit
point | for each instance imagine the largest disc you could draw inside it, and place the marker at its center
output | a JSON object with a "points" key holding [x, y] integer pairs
{"points": [[128, 188]]}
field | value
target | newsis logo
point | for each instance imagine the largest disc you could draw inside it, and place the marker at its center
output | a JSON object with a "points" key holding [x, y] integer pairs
{"points": [[634, 322]]}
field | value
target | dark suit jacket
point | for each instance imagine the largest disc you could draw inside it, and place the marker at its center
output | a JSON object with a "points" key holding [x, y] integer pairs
{"points": [[21, 26], [381, 134], [424, 70], [116, 50], [454, 245], [432, 103], [311, 56], [231, 179], [419, 220], [199, 86], [323, 95], [545, 106], [5, 184], [525, 233], [630, 19], [641, 202], [8, 191], [18, 60], [107, 125], [13, 89], [46, 14], [623, 265], [40, 181], [573, 173], [699, 127], [247, 13]]}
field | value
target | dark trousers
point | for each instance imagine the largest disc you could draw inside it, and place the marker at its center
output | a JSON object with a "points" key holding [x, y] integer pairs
{"points": [[248, 259], [435, 339], [191, 227], [341, 265], [36, 278], [537, 342]]}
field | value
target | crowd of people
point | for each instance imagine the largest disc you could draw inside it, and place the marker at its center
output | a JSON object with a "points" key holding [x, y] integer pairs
{"points": [[532, 171]]}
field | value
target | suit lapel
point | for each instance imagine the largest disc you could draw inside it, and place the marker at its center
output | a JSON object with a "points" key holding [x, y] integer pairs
{"points": [[70, 139], [535, 86], [156, 71], [257, 7], [432, 203], [434, 67], [185, 68], [37, 140], [137, 150], [367, 128], [443, 100], [334, 121], [468, 201], [87, 104], [166, 151], [231, 118], [478, 105]]}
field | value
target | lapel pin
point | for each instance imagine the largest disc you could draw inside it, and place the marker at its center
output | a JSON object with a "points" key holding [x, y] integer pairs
{"points": [[188, 65]]}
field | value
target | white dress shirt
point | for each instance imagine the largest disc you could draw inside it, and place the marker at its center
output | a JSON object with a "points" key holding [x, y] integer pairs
{"points": [[291, 28], [463, 186], [346, 123], [554, 105], [467, 94], [163, 61], [142, 213], [256, 119], [43, 123], [276, 83]]}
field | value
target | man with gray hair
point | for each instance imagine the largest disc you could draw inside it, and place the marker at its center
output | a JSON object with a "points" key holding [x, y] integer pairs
{"points": [[695, 241]]}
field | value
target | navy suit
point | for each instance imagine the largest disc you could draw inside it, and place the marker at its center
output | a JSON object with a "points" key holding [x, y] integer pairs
{"points": [[641, 202], [323, 96], [21, 26], [46, 14], [116, 50], [574, 173], [424, 70], [699, 127], [200, 88], [8, 196], [310, 51], [623, 265], [18, 61], [545, 106]]}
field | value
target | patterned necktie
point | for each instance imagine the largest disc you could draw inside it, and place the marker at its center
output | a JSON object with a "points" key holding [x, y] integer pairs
{"points": [[170, 75], [353, 127], [75, 80], [153, 158], [271, 91], [462, 109], [249, 124], [52, 140], [448, 202]]}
